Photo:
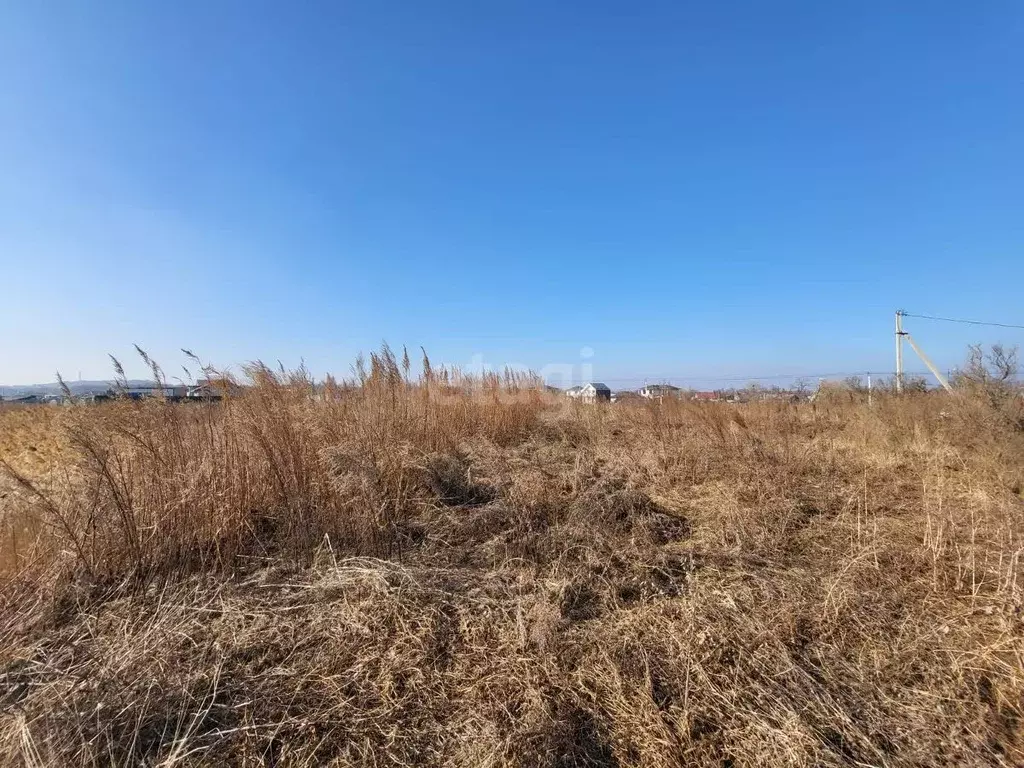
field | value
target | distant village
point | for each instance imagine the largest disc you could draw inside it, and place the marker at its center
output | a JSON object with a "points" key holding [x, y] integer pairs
{"points": [[202, 390], [597, 392], [594, 392]]}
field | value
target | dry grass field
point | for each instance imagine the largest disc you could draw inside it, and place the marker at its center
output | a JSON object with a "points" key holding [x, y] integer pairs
{"points": [[427, 573]]}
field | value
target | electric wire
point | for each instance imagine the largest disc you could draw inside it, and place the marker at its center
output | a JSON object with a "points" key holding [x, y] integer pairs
{"points": [[964, 322]]}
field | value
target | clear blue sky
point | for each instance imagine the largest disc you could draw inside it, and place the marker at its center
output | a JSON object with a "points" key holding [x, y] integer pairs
{"points": [[702, 189]]}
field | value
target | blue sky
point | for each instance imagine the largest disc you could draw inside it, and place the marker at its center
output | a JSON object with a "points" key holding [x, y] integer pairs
{"points": [[690, 190]]}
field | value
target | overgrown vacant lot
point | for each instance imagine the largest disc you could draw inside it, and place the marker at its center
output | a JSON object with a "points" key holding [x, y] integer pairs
{"points": [[409, 574]]}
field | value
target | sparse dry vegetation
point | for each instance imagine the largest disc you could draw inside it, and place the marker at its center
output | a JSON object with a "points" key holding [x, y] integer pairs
{"points": [[438, 571]]}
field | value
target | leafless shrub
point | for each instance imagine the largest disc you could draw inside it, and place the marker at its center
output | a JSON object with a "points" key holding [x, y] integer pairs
{"points": [[992, 376]]}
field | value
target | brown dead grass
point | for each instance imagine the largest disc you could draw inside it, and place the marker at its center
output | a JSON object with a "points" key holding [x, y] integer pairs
{"points": [[420, 573], [30, 438]]}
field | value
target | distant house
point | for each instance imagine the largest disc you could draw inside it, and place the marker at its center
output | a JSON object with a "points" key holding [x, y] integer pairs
{"points": [[595, 392], [213, 389], [573, 392], [706, 396], [205, 392], [659, 391], [167, 392]]}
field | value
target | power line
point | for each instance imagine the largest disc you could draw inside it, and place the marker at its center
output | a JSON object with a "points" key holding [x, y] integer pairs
{"points": [[965, 322]]}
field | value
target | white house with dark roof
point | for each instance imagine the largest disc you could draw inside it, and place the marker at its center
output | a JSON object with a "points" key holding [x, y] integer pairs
{"points": [[658, 391], [595, 392]]}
